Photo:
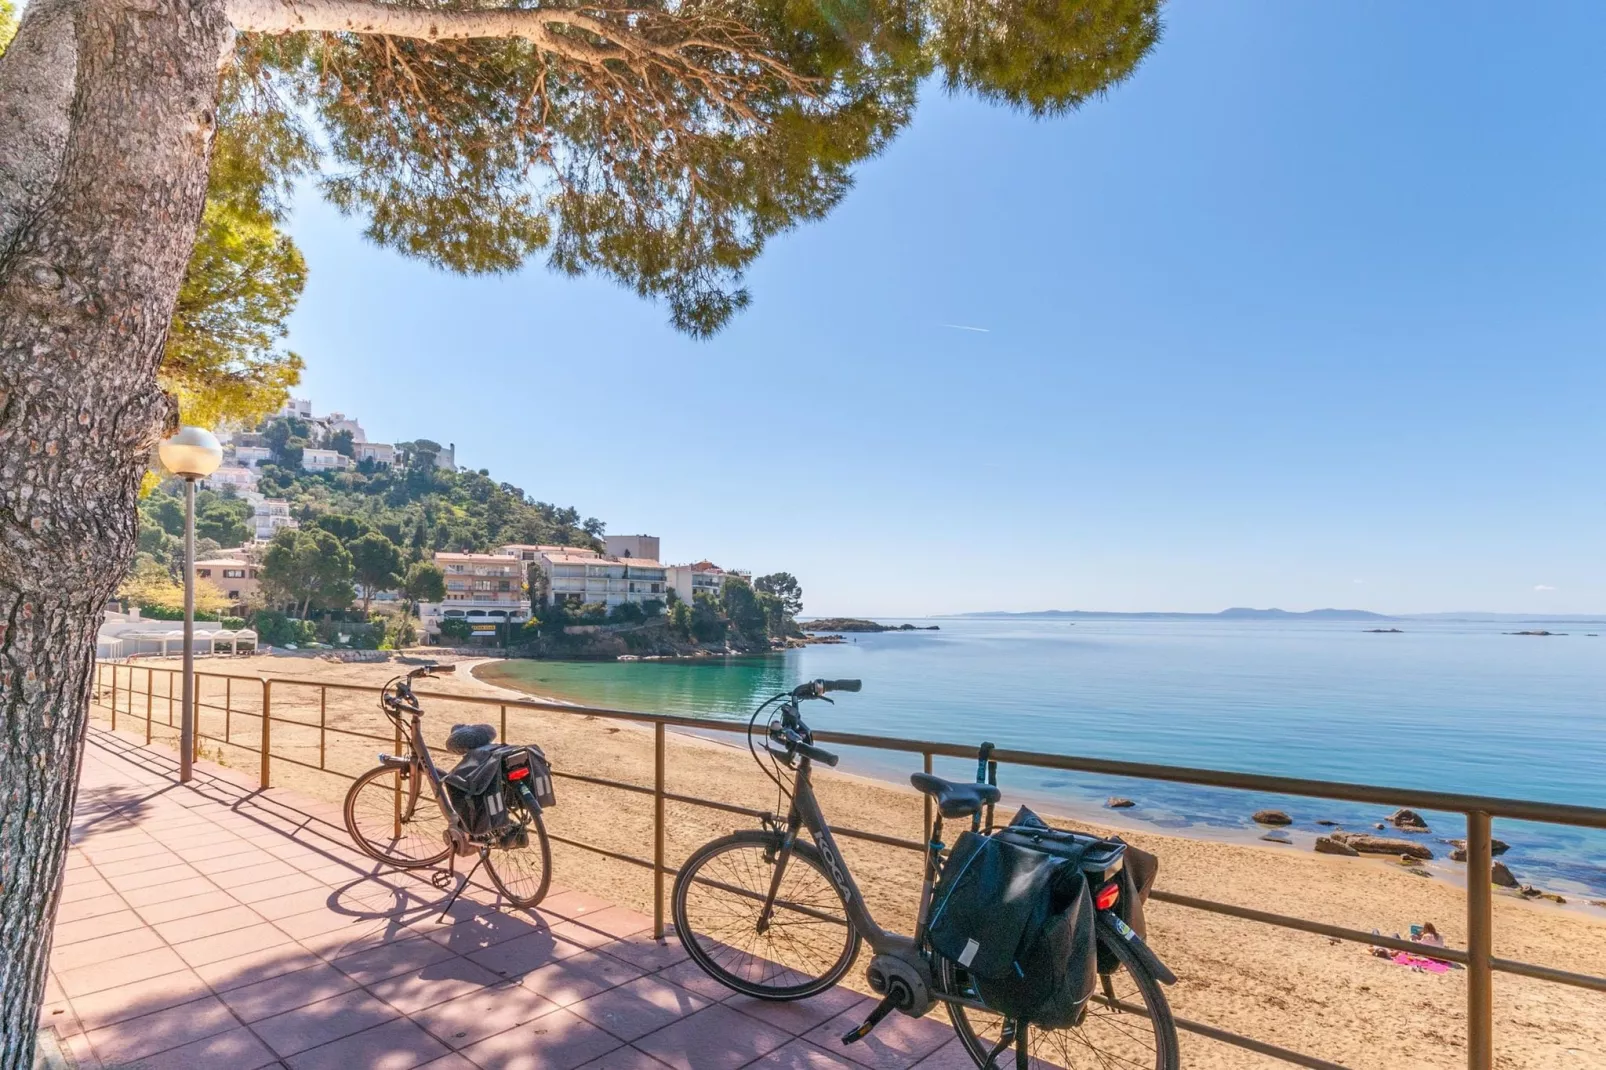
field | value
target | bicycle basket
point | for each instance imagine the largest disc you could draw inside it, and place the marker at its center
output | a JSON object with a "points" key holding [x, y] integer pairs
{"points": [[1020, 922]]}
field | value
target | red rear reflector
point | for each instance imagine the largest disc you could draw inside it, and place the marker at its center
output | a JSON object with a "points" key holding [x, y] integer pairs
{"points": [[1107, 896], [518, 774]]}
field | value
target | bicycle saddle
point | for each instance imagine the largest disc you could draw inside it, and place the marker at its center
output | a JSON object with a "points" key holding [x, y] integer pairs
{"points": [[955, 800], [467, 737]]}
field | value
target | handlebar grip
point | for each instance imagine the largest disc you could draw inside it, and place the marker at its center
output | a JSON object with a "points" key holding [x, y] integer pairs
{"points": [[816, 753], [842, 685]]}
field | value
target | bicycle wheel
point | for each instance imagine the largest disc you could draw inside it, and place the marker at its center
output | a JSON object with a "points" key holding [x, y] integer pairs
{"points": [[377, 821], [808, 943], [1128, 1024], [523, 873]]}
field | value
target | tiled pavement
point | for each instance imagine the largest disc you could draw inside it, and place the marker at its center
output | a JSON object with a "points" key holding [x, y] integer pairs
{"points": [[216, 925]]}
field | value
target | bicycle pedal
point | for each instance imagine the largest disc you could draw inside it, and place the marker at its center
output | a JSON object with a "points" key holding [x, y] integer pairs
{"points": [[881, 1010]]}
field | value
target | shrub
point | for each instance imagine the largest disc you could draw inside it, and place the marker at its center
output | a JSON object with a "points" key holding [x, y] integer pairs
{"points": [[455, 628], [169, 613], [233, 624], [277, 629], [652, 607], [626, 613]]}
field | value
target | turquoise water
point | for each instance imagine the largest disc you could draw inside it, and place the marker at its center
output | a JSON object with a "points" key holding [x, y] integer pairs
{"points": [[1447, 706]]}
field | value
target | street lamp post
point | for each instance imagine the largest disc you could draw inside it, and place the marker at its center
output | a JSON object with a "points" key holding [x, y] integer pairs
{"points": [[192, 453]]}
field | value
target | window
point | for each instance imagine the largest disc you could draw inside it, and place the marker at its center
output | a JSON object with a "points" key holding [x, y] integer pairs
{"points": [[234, 594], [234, 573], [204, 573]]}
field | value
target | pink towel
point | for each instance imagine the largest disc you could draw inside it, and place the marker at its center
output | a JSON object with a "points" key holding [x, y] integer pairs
{"points": [[1405, 958]]}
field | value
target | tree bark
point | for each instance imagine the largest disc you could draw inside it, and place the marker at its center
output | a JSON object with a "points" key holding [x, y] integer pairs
{"points": [[36, 89], [88, 279]]}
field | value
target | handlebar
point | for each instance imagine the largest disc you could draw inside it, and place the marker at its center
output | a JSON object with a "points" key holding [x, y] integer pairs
{"points": [[818, 688]]}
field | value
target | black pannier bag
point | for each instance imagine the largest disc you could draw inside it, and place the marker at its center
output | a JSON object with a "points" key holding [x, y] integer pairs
{"points": [[1101, 858], [1020, 922], [477, 786]]}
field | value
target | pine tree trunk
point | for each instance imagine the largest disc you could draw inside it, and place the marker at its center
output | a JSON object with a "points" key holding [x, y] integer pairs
{"points": [[88, 277]]}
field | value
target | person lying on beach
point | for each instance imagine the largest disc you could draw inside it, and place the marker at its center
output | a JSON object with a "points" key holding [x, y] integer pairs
{"points": [[1429, 935]]}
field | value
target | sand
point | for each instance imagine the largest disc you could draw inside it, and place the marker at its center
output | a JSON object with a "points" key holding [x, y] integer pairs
{"points": [[1325, 998]]}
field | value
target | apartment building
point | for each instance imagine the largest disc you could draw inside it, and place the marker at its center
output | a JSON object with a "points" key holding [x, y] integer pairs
{"points": [[252, 456], [528, 552], [578, 577], [703, 576], [336, 422], [300, 408], [484, 589], [316, 460], [642, 546], [237, 476], [270, 516], [382, 453], [237, 578]]}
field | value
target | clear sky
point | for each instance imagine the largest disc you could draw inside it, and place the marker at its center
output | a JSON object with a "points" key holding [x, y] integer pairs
{"points": [[1308, 313]]}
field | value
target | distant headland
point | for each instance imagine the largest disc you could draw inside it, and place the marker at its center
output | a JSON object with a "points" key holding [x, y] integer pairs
{"points": [[1236, 613]]}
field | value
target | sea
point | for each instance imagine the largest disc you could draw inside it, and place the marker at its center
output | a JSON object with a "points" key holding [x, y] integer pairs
{"points": [[1457, 706]]}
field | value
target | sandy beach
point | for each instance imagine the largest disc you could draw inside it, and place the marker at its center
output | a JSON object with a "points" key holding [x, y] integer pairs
{"points": [[1323, 997]]}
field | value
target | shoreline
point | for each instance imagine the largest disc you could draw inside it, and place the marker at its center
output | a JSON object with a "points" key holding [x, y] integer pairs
{"points": [[1126, 821]]}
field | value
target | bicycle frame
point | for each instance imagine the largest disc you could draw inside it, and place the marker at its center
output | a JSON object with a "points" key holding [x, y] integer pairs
{"points": [[805, 813], [419, 760]]}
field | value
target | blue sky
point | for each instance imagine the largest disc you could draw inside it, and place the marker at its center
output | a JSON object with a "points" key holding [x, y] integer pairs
{"points": [[1307, 313]]}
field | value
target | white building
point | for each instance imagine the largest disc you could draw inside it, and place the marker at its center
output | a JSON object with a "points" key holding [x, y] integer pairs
{"points": [[704, 576], [315, 460], [270, 516], [578, 577], [336, 422], [252, 456], [382, 453], [297, 407], [237, 476], [528, 552], [483, 589], [642, 546]]}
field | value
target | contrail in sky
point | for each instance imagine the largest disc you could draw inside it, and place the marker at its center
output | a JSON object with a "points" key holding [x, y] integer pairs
{"points": [[962, 327]]}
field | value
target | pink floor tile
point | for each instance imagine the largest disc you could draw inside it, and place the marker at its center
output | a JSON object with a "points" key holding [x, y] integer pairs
{"points": [[94, 907], [716, 1038], [286, 992], [453, 1061], [579, 977], [639, 1007], [320, 1023], [174, 1027], [572, 905], [161, 893], [390, 960], [108, 924], [482, 1013], [616, 922], [516, 957], [396, 1045], [150, 878], [801, 1055], [138, 998], [254, 966], [104, 948], [642, 950], [231, 944], [125, 866], [188, 907], [433, 984], [119, 971], [898, 1042], [690, 976], [212, 923], [800, 1016], [625, 1059], [285, 906], [273, 887], [481, 931], [236, 1049], [953, 1056], [556, 1041]]}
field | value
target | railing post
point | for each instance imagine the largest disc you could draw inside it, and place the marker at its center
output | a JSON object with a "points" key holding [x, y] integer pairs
{"points": [[267, 732], [114, 696], [503, 736], [658, 831], [397, 781], [1480, 943], [323, 712], [150, 688], [228, 707]]}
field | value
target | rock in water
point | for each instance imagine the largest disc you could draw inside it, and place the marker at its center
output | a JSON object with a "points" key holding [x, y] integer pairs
{"points": [[1277, 836], [1327, 824], [1368, 844], [1328, 846], [1116, 802], [1272, 817], [1409, 820], [1458, 854], [1496, 847], [1501, 875]]}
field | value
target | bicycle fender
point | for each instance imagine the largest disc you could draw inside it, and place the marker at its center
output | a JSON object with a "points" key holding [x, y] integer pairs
{"points": [[1117, 929], [392, 761]]}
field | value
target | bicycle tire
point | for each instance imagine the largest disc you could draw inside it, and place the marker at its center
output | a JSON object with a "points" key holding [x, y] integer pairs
{"points": [[1066, 1052], [391, 857], [524, 897], [704, 948]]}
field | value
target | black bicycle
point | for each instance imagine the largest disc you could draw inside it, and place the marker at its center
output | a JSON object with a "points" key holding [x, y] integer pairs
{"points": [[390, 820], [772, 916]]}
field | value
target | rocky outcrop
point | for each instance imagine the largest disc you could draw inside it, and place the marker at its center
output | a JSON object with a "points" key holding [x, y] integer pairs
{"points": [[1272, 817], [1501, 876], [1368, 844], [856, 624], [1278, 836], [1408, 821], [1116, 802], [1326, 845], [1458, 854], [1496, 847]]}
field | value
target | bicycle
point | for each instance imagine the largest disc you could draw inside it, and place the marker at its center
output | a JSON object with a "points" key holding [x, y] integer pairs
{"points": [[390, 821], [775, 917]]}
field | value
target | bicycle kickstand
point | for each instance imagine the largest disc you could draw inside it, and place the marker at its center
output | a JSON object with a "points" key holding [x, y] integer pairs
{"points": [[881, 1010], [1003, 1044], [461, 885]]}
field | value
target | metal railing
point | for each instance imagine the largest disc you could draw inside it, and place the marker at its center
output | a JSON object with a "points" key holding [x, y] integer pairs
{"points": [[118, 685]]}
